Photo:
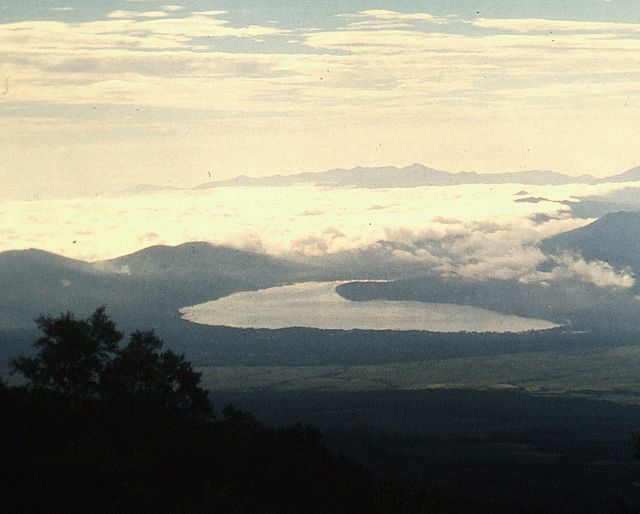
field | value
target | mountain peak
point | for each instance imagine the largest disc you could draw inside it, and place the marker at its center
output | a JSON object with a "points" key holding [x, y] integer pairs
{"points": [[614, 238], [631, 175], [416, 166], [33, 257]]}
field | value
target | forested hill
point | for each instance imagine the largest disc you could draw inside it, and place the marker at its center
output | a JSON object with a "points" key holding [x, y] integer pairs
{"points": [[143, 287]]}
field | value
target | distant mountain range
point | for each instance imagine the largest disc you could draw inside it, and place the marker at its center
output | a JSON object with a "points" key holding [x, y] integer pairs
{"points": [[147, 188], [389, 176], [415, 175]]}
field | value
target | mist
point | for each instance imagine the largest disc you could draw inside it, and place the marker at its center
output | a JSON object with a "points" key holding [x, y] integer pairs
{"points": [[478, 232]]}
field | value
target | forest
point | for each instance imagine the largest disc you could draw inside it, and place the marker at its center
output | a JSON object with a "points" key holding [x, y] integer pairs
{"points": [[96, 422], [102, 426]]}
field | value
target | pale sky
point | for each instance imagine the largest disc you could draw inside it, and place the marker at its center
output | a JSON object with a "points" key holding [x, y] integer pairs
{"points": [[98, 96]]}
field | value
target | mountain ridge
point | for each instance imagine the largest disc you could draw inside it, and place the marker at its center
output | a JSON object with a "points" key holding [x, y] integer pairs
{"points": [[146, 286], [414, 175], [631, 175], [614, 238]]}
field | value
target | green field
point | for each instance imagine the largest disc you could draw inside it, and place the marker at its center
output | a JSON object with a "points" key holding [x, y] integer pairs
{"points": [[611, 373]]}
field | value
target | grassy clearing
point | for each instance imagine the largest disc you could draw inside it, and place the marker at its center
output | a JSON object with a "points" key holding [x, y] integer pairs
{"points": [[610, 372]]}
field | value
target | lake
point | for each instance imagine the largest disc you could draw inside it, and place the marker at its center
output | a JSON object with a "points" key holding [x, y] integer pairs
{"points": [[317, 305]]}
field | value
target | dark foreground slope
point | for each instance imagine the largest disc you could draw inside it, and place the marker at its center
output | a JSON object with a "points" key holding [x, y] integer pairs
{"points": [[104, 425], [114, 459], [493, 451]]}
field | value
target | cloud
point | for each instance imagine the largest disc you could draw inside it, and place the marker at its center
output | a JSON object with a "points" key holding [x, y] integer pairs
{"points": [[263, 218], [310, 245], [144, 49], [152, 14], [384, 64], [149, 236], [552, 26], [475, 232], [481, 252], [377, 25], [599, 273], [387, 15], [396, 86], [474, 250], [209, 13], [119, 13]]}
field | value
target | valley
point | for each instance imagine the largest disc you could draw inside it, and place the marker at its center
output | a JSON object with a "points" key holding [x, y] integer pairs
{"points": [[477, 361]]}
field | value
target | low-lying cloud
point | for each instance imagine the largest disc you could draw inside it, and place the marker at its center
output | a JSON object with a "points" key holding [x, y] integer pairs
{"points": [[600, 273], [476, 232]]}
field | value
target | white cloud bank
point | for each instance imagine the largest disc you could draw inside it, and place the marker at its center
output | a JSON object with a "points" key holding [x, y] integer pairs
{"points": [[473, 231]]}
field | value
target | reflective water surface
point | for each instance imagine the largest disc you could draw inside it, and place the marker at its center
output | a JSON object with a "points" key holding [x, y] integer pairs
{"points": [[317, 305]]}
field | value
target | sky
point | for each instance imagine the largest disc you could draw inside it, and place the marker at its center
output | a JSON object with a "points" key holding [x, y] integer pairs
{"points": [[96, 96]]}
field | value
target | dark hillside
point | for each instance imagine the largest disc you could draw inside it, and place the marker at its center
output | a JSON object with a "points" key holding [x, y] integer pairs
{"points": [[614, 238]]}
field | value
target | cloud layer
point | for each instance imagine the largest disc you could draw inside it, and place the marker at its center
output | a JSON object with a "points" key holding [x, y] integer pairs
{"points": [[377, 86], [478, 232]]}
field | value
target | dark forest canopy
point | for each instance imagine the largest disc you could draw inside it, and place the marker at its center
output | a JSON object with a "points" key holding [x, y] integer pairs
{"points": [[82, 362], [104, 427]]}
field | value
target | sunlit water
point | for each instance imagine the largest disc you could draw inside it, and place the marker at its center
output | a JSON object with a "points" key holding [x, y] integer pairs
{"points": [[317, 305]]}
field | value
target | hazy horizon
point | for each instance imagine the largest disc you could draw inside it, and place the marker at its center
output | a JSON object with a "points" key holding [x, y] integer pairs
{"points": [[99, 97], [150, 186]]}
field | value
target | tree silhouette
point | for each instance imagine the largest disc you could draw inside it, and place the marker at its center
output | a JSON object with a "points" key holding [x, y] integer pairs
{"points": [[163, 381], [72, 355], [106, 427], [82, 361]]}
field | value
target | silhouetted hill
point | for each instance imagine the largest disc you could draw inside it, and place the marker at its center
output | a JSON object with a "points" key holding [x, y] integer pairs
{"points": [[631, 175], [578, 304], [34, 260], [200, 260], [614, 238], [145, 287], [390, 176], [33, 282]]}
